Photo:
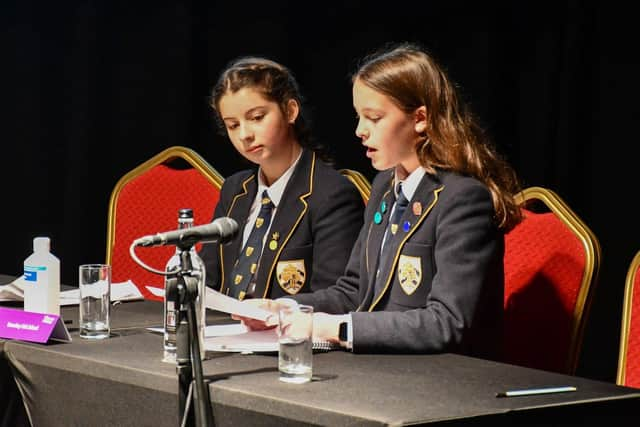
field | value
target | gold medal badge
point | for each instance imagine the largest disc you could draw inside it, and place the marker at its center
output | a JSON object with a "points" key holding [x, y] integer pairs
{"points": [[291, 275], [409, 273], [273, 244]]}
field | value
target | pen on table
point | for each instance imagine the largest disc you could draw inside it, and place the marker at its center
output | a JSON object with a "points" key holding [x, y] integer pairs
{"points": [[532, 391]]}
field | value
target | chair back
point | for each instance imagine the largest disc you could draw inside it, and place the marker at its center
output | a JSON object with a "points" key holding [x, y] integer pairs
{"points": [[551, 264], [629, 357], [360, 181], [146, 201]]}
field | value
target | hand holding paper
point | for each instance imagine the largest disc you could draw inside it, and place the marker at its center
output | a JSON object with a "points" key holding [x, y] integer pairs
{"points": [[256, 312], [271, 306]]}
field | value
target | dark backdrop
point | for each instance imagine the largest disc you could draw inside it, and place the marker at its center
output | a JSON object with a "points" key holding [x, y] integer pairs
{"points": [[90, 89]]}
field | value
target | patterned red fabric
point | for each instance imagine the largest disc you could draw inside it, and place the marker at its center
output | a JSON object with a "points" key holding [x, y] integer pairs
{"points": [[149, 204], [632, 368], [544, 264]]}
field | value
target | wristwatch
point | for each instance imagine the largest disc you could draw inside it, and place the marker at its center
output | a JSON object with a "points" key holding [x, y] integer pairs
{"points": [[343, 332]]}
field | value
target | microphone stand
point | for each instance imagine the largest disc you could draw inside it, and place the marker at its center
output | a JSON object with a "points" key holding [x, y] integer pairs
{"points": [[182, 288]]}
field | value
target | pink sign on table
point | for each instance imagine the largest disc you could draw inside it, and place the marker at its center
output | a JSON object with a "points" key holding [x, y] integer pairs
{"points": [[35, 327]]}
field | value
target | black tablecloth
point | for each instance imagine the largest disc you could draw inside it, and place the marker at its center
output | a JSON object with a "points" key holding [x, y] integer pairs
{"points": [[122, 381]]}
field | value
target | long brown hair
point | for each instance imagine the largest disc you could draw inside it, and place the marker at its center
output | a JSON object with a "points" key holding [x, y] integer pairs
{"points": [[453, 140]]}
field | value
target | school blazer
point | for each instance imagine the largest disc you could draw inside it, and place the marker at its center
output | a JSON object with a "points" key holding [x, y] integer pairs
{"points": [[443, 286], [311, 236]]}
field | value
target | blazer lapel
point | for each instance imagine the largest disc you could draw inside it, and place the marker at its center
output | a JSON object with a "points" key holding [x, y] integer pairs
{"points": [[374, 240], [239, 210], [422, 202], [289, 213]]}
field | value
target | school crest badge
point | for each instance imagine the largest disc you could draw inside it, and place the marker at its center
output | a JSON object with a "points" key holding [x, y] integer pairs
{"points": [[291, 275], [409, 273]]}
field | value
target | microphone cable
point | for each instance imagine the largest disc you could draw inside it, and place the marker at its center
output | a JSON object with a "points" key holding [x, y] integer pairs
{"points": [[132, 252]]}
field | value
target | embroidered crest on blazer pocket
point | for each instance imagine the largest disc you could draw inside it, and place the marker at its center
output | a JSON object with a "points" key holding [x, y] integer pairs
{"points": [[291, 275], [294, 269], [413, 276], [409, 273]]}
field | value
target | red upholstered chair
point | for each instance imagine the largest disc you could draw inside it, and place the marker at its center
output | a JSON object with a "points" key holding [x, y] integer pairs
{"points": [[551, 264], [360, 181], [146, 201], [629, 358]]}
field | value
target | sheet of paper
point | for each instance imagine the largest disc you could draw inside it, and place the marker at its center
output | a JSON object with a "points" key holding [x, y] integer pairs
{"points": [[247, 342], [213, 330], [13, 291], [123, 291], [217, 301], [159, 292], [225, 330]]}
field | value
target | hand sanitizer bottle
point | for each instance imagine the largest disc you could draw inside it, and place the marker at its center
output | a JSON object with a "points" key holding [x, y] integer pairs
{"points": [[42, 279]]}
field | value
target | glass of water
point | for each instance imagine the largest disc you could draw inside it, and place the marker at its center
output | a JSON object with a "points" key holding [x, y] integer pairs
{"points": [[295, 335], [95, 300]]}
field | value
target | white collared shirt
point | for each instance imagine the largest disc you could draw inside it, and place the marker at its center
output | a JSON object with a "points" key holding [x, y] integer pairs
{"points": [[410, 184], [276, 190], [409, 187]]}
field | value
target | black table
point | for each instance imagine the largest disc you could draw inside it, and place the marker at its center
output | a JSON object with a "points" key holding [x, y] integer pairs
{"points": [[122, 381]]}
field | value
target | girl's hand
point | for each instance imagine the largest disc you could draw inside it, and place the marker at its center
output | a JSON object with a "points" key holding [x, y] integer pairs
{"points": [[326, 326], [256, 324]]}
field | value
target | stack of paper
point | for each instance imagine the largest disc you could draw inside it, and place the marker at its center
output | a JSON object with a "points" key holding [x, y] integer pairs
{"points": [[13, 291], [125, 291], [241, 340]]}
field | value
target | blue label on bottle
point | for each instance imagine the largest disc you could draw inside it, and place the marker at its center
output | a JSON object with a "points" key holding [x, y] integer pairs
{"points": [[31, 273]]}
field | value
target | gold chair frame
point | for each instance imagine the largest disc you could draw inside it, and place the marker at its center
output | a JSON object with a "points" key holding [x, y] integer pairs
{"points": [[171, 153], [593, 255], [360, 181], [633, 271]]}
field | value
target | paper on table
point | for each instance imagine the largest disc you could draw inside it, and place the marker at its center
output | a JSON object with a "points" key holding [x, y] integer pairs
{"points": [[220, 302], [252, 341], [214, 330], [236, 338], [159, 292], [13, 291], [124, 291], [225, 330]]}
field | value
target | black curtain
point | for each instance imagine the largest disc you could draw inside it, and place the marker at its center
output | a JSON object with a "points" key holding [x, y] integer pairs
{"points": [[90, 89]]}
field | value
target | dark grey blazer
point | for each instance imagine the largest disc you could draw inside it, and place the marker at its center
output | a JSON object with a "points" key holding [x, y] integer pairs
{"points": [[444, 283], [314, 229]]}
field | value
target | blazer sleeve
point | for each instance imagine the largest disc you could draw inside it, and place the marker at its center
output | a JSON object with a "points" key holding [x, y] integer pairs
{"points": [[335, 222], [343, 296], [466, 247]]}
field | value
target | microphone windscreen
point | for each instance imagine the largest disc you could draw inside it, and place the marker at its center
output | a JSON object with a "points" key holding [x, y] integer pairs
{"points": [[228, 228]]}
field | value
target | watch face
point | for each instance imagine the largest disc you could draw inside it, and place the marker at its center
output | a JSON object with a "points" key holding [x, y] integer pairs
{"points": [[342, 332]]}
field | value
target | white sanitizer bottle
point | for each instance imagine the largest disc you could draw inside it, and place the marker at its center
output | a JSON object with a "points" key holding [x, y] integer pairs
{"points": [[42, 279]]}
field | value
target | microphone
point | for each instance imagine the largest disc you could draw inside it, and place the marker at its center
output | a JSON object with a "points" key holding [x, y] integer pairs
{"points": [[220, 230]]}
